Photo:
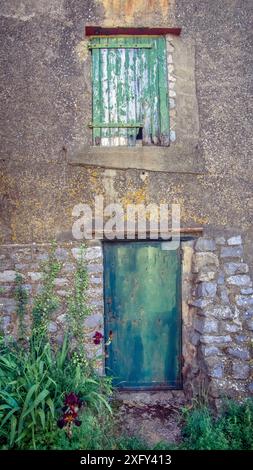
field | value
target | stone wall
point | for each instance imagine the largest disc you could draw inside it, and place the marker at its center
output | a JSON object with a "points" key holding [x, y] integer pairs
{"points": [[217, 308], [26, 260], [219, 320]]}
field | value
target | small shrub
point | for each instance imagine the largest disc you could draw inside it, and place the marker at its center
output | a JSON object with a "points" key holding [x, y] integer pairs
{"points": [[237, 423], [232, 430]]}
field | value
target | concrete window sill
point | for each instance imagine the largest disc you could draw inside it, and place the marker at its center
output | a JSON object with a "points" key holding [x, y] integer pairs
{"points": [[184, 158]]}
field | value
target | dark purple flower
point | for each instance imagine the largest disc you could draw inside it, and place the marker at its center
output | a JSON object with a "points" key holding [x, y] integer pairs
{"points": [[72, 400], [61, 423], [97, 338], [70, 410], [78, 422]]}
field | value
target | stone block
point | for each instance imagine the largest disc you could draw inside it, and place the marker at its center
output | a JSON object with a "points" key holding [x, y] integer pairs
{"points": [[231, 328], [249, 324], [220, 241], [21, 254], [96, 292], [235, 268], [207, 289], [211, 351], [223, 293], [96, 280], [194, 339], [203, 261], [94, 321], [205, 326], [240, 370], [35, 276], [52, 327], [216, 371], [205, 244], [61, 254], [241, 339], [5, 321], [239, 280], [221, 279], [62, 318], [244, 301], [221, 312], [68, 268], [95, 268], [94, 252], [97, 303], [226, 387], [208, 339], [206, 277], [8, 306], [62, 293], [247, 291], [7, 289], [231, 252], [8, 276], [91, 253], [61, 282], [235, 240], [42, 257], [248, 314], [200, 303], [239, 352]]}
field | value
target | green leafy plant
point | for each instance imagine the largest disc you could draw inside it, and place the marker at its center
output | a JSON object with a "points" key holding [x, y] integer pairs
{"points": [[46, 301], [233, 429], [21, 296], [78, 310], [34, 379]]}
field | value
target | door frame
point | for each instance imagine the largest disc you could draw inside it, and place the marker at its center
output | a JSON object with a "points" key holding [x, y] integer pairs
{"points": [[180, 375]]}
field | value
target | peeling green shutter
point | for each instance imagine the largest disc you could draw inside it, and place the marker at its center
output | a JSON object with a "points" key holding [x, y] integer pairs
{"points": [[130, 91]]}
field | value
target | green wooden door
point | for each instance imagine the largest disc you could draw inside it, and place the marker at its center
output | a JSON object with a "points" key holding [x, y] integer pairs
{"points": [[143, 313]]}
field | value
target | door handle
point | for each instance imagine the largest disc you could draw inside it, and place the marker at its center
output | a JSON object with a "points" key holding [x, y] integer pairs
{"points": [[108, 342]]}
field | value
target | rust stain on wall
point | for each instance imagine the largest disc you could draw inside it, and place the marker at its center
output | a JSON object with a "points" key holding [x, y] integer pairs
{"points": [[116, 10]]}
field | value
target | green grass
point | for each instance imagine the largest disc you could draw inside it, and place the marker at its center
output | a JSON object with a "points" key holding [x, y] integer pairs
{"points": [[232, 430]]}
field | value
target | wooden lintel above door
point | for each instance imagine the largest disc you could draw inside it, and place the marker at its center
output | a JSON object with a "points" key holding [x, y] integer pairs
{"points": [[122, 31]]}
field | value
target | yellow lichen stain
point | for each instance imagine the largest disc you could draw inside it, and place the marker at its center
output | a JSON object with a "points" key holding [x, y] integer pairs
{"points": [[95, 181], [128, 10], [82, 50], [138, 196]]}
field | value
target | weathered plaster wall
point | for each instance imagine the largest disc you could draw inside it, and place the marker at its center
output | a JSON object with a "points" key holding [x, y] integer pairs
{"points": [[46, 101], [130, 12], [47, 87]]}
